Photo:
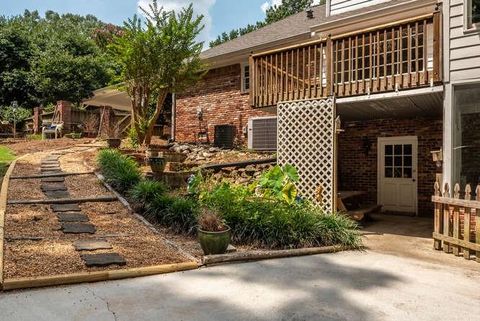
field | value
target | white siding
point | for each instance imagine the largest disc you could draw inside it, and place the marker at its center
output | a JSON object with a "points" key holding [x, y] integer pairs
{"points": [[340, 6], [464, 47]]}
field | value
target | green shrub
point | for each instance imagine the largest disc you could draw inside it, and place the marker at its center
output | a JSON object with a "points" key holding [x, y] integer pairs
{"points": [[276, 224], [145, 191], [120, 171], [178, 213]]}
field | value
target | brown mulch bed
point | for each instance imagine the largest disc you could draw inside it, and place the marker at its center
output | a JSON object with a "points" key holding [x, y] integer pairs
{"points": [[33, 146], [54, 254]]}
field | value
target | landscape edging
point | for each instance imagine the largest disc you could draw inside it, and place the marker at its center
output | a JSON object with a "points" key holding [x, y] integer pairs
{"points": [[266, 255], [97, 276]]}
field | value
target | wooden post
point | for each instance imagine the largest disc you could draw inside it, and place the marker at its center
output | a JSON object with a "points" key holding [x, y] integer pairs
{"points": [[446, 220], [437, 46], [477, 224], [253, 81], [466, 222], [329, 63], [437, 227], [456, 220]]}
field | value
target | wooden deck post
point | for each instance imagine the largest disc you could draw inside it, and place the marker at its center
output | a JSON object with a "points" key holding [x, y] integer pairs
{"points": [[477, 223], [329, 64], [437, 61]]}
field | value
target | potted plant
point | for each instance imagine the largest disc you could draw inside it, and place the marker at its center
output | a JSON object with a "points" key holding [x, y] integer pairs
{"points": [[114, 140], [157, 164], [213, 234]]}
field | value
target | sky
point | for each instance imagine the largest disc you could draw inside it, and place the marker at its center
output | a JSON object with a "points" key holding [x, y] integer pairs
{"points": [[220, 15]]}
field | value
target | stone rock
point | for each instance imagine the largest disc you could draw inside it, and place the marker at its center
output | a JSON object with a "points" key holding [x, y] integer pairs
{"points": [[57, 194], [200, 158], [53, 187], [65, 208], [103, 259], [214, 149], [72, 217], [91, 245], [78, 228], [207, 155], [231, 248]]}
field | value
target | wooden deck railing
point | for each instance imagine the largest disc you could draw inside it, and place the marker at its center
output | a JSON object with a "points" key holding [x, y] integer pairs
{"points": [[386, 58], [457, 221]]}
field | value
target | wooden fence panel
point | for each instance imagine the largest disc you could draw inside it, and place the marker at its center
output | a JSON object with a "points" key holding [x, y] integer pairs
{"points": [[456, 222]]}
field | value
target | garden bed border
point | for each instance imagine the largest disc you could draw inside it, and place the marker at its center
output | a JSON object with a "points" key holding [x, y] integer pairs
{"points": [[267, 255]]}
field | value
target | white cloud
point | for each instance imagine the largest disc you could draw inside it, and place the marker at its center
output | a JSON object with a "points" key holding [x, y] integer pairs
{"points": [[200, 7], [270, 3]]}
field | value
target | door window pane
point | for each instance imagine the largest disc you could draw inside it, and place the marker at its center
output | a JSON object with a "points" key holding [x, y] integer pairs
{"points": [[388, 172], [388, 161], [407, 160], [398, 160], [397, 172], [407, 149], [388, 150], [407, 172], [398, 149]]}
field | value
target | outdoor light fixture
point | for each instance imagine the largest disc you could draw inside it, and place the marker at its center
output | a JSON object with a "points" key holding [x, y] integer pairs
{"points": [[437, 157], [200, 113]]}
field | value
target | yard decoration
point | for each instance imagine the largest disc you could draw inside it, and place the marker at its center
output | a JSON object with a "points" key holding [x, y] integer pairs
{"points": [[157, 56], [157, 164], [213, 234]]}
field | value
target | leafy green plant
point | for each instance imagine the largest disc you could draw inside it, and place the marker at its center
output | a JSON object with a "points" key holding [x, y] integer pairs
{"points": [[120, 171], [271, 222], [145, 191], [279, 182]]}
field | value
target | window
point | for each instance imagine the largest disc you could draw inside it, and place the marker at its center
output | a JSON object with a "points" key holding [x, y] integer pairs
{"points": [[245, 78], [466, 142], [472, 13]]}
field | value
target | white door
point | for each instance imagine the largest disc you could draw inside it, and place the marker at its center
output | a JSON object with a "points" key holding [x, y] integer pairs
{"points": [[397, 173]]}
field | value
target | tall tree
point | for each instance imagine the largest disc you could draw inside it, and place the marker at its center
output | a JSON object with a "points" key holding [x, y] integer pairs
{"points": [[44, 59], [157, 57], [273, 14]]}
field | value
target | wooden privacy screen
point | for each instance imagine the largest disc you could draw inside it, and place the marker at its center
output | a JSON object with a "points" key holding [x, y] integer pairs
{"points": [[387, 58], [306, 140], [457, 221]]}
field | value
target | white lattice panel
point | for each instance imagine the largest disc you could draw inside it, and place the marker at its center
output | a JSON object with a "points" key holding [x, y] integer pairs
{"points": [[306, 140]]}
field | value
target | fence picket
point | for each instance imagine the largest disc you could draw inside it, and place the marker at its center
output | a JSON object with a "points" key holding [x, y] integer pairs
{"points": [[466, 221]]}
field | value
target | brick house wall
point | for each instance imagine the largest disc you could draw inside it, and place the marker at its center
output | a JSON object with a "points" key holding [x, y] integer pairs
{"points": [[358, 170], [219, 96]]}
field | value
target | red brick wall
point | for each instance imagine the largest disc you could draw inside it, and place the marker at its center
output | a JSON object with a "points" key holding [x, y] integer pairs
{"points": [[358, 171], [219, 95]]}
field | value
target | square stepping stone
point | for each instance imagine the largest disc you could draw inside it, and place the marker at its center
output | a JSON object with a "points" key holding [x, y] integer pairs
{"points": [[53, 179], [72, 217], [91, 245], [103, 259], [57, 194], [53, 187], [65, 208], [78, 228]]}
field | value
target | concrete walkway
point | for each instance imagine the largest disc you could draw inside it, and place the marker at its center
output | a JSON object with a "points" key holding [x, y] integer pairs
{"points": [[342, 286]]}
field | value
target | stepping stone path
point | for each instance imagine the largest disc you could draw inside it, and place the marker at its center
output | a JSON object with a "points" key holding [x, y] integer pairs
{"points": [[78, 228], [65, 208], [92, 245], [71, 218], [103, 259]]}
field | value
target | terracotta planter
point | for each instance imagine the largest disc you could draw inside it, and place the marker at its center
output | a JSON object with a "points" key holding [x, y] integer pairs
{"points": [[214, 242], [114, 142], [157, 164]]}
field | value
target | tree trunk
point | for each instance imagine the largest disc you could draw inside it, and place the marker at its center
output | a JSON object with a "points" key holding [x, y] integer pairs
{"points": [[153, 120]]}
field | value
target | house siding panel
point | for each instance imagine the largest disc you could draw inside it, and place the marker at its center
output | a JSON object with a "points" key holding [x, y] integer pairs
{"points": [[464, 46], [340, 6], [219, 96]]}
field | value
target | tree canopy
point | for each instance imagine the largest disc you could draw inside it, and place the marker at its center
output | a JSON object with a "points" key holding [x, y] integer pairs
{"points": [[273, 14], [50, 58], [157, 56]]}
